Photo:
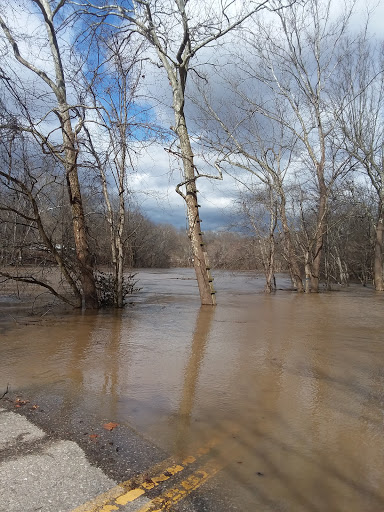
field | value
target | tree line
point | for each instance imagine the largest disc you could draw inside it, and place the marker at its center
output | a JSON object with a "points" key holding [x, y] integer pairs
{"points": [[286, 98]]}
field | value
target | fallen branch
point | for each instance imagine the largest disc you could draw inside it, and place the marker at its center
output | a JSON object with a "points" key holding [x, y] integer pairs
{"points": [[33, 280]]}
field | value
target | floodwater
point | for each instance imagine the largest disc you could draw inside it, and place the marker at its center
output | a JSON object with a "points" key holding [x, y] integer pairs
{"points": [[289, 388]]}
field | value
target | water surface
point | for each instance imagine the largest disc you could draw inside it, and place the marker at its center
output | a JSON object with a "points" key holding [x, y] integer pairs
{"points": [[289, 386]]}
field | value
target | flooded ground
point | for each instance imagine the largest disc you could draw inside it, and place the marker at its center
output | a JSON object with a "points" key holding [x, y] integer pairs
{"points": [[288, 389]]}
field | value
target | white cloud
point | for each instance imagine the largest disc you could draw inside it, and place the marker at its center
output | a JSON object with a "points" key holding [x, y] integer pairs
{"points": [[154, 181]]}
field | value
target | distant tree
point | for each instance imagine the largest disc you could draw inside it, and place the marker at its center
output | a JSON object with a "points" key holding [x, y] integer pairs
{"points": [[234, 250], [359, 108], [260, 208], [350, 239], [293, 59]]}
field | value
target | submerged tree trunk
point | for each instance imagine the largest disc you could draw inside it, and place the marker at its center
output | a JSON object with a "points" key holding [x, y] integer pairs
{"points": [[378, 257], [308, 273], [119, 276], [270, 264], [343, 269], [319, 241], [200, 256], [90, 299], [293, 265], [270, 284]]}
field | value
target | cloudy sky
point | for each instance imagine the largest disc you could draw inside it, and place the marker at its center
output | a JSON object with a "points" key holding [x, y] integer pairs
{"points": [[155, 179], [157, 172]]}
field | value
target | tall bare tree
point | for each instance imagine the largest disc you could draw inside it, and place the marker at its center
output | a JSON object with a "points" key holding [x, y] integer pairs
{"points": [[245, 140], [53, 75], [295, 60], [112, 129], [178, 30], [359, 107]]}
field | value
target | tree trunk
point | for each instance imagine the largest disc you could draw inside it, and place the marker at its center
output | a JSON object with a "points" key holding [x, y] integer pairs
{"points": [[270, 261], [120, 278], [120, 249], [289, 251], [90, 299], [269, 271], [320, 229], [200, 256], [343, 269], [378, 258], [308, 273]]}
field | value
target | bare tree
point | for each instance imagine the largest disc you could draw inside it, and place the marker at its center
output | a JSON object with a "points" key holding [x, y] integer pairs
{"points": [[359, 107], [259, 205], [26, 206], [55, 79], [245, 140], [109, 139], [178, 30], [349, 242], [294, 60]]}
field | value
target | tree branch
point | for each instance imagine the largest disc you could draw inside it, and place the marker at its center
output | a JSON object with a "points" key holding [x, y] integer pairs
{"points": [[23, 61]]}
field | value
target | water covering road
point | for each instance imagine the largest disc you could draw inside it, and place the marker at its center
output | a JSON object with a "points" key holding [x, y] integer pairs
{"points": [[289, 388]]}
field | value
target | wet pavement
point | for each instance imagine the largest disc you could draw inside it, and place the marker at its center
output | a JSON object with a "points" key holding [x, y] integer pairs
{"points": [[283, 392], [38, 473]]}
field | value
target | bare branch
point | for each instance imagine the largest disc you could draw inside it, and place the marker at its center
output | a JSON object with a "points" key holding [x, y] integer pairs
{"points": [[33, 280], [22, 60]]}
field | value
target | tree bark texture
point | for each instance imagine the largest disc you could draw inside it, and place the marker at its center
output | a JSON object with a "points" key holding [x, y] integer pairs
{"points": [[378, 257], [90, 299], [199, 251]]}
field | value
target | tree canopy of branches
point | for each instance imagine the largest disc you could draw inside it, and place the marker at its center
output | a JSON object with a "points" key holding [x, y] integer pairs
{"points": [[51, 84], [177, 31]]}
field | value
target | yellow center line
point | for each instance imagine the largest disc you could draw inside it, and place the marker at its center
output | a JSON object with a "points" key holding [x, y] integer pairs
{"points": [[100, 502], [181, 491], [147, 485], [132, 489]]}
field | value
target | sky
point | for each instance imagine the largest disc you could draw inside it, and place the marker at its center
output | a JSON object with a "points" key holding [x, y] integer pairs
{"points": [[155, 180], [157, 173]]}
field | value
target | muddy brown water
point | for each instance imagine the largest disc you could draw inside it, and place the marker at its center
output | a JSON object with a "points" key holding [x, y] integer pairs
{"points": [[289, 388]]}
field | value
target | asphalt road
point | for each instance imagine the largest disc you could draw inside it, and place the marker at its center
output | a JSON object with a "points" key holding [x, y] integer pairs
{"points": [[42, 470], [38, 473]]}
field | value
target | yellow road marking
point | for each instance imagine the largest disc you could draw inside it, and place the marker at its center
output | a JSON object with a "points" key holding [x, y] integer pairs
{"points": [[132, 489], [177, 493], [129, 496]]}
